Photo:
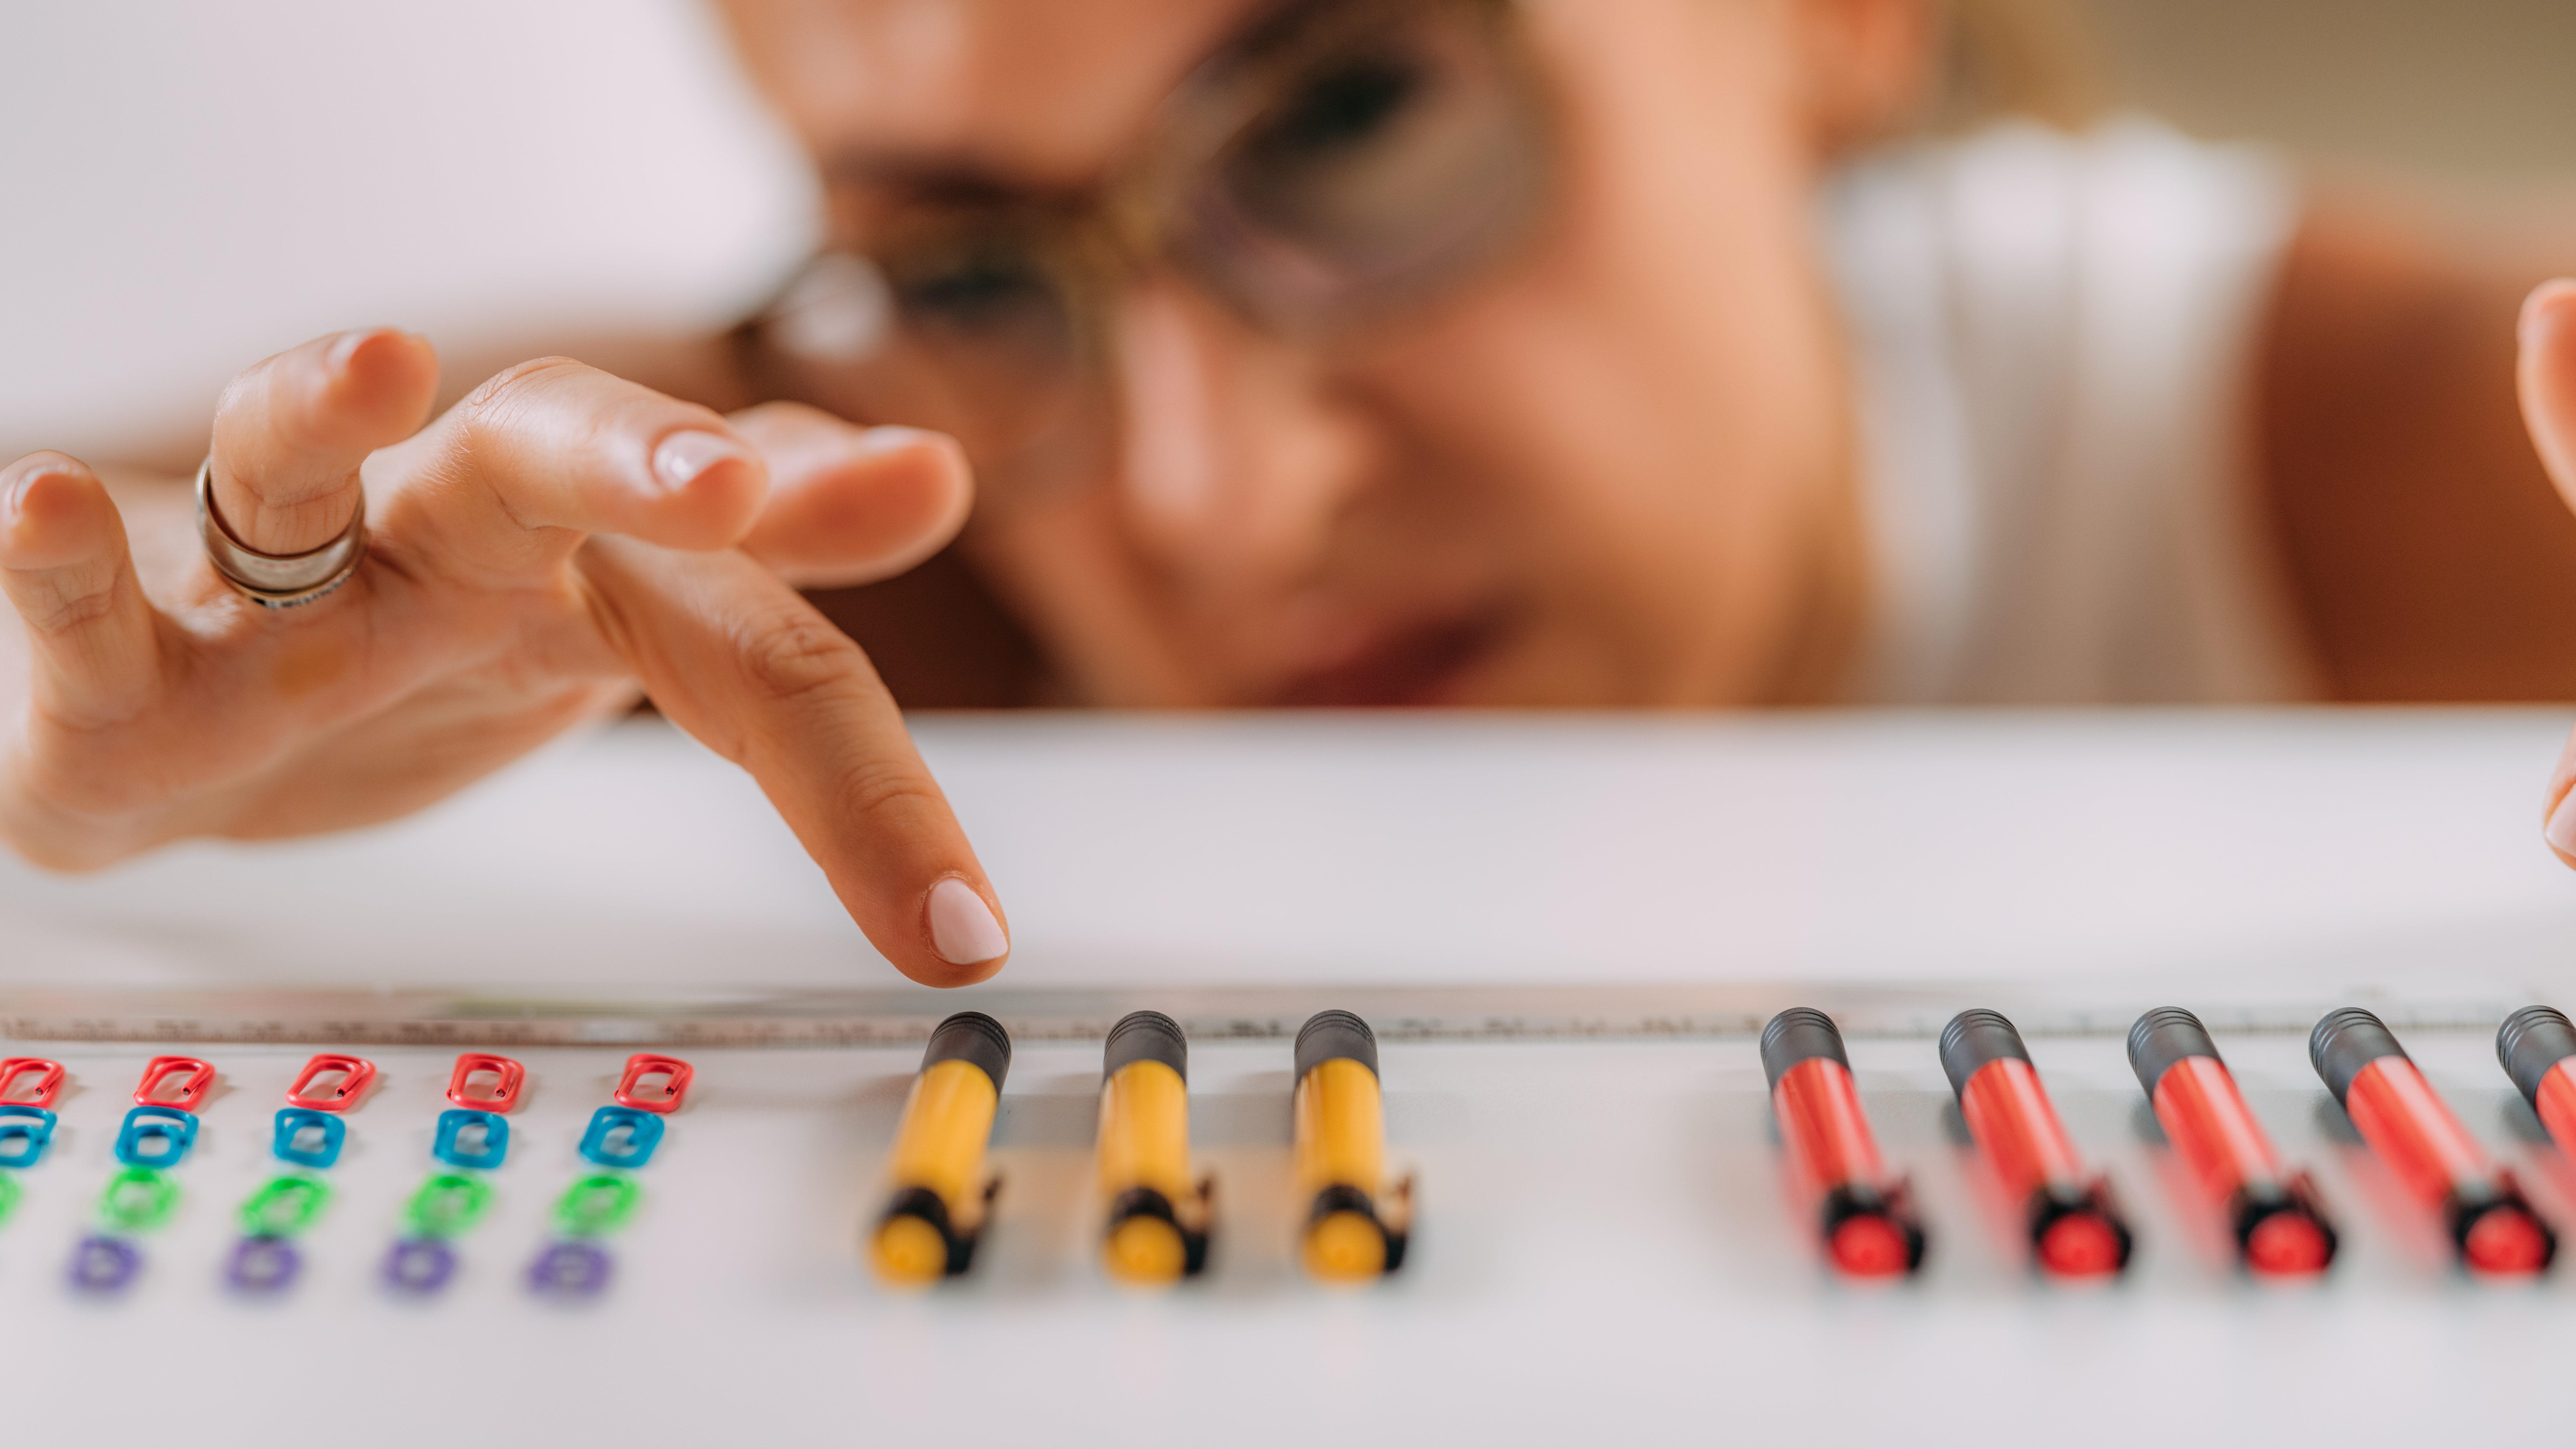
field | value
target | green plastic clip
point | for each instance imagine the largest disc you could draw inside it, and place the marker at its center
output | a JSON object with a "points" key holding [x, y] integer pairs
{"points": [[284, 1206], [597, 1205], [8, 1195], [138, 1200], [447, 1206]]}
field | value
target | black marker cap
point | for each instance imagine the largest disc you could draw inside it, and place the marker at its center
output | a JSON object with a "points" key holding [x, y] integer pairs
{"points": [[2163, 1037], [1329, 1035], [1973, 1038], [1799, 1034], [1146, 1036], [2530, 1042], [2345, 1041], [971, 1036]]}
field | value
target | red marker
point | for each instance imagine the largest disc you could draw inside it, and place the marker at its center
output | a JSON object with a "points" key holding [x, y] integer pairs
{"points": [[2395, 1109], [2075, 1231], [2280, 1227], [2538, 1048], [1867, 1220]]}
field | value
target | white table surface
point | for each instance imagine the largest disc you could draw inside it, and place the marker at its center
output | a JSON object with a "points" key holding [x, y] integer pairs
{"points": [[1606, 1251]]}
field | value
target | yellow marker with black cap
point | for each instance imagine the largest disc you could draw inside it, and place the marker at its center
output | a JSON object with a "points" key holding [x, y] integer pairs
{"points": [[1350, 1234], [941, 1196], [1158, 1221]]}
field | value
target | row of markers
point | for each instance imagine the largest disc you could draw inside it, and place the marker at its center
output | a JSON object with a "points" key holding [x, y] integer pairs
{"points": [[1160, 1217], [1355, 1225], [2075, 1228], [472, 1140]]}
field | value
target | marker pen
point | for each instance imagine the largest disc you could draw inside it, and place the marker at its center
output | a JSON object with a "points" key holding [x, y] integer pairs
{"points": [[2075, 1231], [1866, 1219], [2538, 1048], [2280, 1226], [1349, 1234], [941, 1198], [1158, 1221], [2397, 1113]]}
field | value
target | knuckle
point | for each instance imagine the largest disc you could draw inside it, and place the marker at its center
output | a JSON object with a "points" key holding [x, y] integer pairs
{"points": [[62, 601], [800, 657], [872, 789], [508, 395]]}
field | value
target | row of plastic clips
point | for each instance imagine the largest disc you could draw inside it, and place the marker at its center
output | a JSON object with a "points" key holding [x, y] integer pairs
{"points": [[472, 1141], [307, 1136], [1157, 1223], [29, 1087], [619, 1141], [143, 1195]]}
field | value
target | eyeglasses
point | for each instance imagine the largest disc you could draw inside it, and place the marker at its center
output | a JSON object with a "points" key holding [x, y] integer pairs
{"points": [[1341, 164]]}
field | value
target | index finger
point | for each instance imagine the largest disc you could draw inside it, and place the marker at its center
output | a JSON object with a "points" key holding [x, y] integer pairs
{"points": [[738, 660]]}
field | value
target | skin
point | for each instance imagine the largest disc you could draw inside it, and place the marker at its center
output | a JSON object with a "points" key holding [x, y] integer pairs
{"points": [[1667, 518], [534, 559], [1615, 472]]}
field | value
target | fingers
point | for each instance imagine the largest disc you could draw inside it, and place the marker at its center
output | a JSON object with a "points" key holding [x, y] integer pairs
{"points": [[2547, 379], [734, 657], [291, 432], [506, 483], [851, 505], [64, 566]]}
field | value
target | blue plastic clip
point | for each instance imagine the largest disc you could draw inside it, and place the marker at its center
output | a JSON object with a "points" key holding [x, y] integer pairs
{"points": [[621, 1137], [455, 1123], [570, 1270], [294, 1122], [157, 1137], [24, 1131], [263, 1265]]}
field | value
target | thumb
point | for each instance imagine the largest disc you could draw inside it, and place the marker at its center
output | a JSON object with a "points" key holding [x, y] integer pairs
{"points": [[2546, 377], [851, 505]]}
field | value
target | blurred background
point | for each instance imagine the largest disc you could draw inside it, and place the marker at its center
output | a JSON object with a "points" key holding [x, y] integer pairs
{"points": [[192, 187]]}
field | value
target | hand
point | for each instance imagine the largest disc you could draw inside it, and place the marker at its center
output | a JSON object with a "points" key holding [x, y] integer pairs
{"points": [[553, 543], [2547, 377]]}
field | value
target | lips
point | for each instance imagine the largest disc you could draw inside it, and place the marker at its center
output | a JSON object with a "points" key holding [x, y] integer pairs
{"points": [[1418, 665]]}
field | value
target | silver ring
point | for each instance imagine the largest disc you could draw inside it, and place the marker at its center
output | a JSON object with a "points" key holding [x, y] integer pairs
{"points": [[270, 580]]}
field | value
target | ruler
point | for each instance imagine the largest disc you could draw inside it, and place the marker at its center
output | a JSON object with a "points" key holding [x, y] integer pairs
{"points": [[905, 1016]]}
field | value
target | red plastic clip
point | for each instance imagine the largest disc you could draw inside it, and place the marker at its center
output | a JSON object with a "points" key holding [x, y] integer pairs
{"points": [[356, 1075], [196, 1080], [504, 1095], [49, 1082], [643, 1065]]}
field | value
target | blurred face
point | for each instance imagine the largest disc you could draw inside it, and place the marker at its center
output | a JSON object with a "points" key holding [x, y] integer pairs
{"points": [[1494, 367]]}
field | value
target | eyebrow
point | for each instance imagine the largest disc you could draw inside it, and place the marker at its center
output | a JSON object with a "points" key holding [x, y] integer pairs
{"points": [[963, 177], [937, 175]]}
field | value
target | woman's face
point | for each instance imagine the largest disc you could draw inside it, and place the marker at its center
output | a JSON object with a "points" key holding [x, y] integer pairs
{"points": [[1610, 469]]}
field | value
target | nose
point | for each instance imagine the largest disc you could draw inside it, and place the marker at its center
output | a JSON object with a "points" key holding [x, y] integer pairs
{"points": [[1237, 455]]}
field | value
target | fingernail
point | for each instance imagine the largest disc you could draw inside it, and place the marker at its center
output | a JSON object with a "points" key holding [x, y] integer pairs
{"points": [[888, 438], [14, 501], [683, 456], [2536, 304], [347, 347], [962, 928], [2561, 830]]}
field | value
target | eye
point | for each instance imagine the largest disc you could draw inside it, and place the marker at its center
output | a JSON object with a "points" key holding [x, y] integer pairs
{"points": [[975, 292], [1335, 112]]}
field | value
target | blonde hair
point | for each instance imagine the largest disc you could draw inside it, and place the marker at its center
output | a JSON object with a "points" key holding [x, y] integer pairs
{"points": [[2032, 58]]}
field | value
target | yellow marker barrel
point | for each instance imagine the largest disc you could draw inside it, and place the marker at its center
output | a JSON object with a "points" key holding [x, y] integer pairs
{"points": [[1351, 1233], [939, 1192], [1157, 1225]]}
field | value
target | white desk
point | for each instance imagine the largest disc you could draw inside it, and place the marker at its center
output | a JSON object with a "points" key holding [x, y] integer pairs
{"points": [[1606, 1253]]}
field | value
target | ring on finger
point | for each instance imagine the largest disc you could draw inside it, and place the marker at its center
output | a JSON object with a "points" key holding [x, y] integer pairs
{"points": [[273, 580]]}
